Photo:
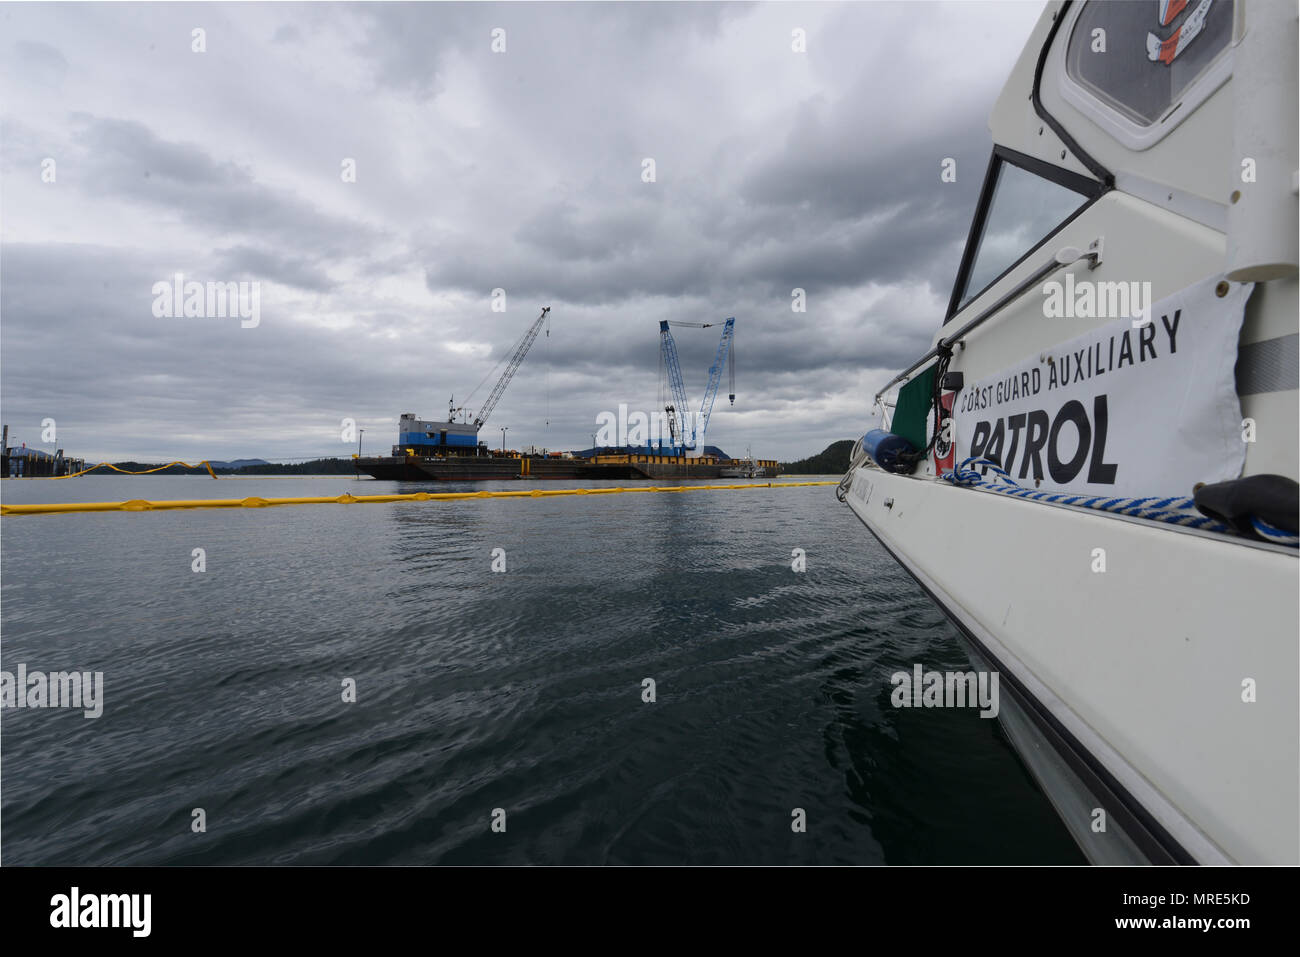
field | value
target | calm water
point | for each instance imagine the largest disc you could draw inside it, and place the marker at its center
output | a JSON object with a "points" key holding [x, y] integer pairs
{"points": [[478, 690]]}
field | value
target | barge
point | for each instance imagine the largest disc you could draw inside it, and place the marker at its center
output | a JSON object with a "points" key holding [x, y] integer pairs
{"points": [[450, 450], [620, 466]]}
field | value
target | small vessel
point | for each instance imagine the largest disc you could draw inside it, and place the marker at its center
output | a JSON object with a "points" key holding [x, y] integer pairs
{"points": [[743, 468], [1092, 471]]}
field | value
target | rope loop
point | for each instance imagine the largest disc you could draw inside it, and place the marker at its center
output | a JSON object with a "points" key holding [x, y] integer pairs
{"points": [[1175, 510]]}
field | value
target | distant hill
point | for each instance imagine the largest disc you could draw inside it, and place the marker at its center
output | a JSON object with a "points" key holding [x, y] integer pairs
{"points": [[833, 461], [239, 463], [245, 467], [314, 467]]}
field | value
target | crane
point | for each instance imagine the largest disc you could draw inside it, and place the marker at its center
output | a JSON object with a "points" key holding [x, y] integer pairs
{"points": [[715, 376], [516, 358], [678, 409]]}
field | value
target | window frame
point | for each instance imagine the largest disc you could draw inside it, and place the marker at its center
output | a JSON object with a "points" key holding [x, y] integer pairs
{"points": [[1090, 189], [1123, 129]]}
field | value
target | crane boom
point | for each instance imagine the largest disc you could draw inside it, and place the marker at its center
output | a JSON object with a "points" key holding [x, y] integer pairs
{"points": [[516, 359], [715, 378], [676, 411]]}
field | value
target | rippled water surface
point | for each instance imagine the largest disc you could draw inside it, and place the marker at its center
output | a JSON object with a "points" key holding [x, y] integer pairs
{"points": [[479, 690]]}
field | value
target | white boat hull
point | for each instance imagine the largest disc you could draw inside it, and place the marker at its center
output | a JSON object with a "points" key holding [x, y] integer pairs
{"points": [[1134, 677]]}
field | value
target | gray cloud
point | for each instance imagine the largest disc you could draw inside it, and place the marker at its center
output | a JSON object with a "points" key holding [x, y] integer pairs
{"points": [[127, 160], [244, 262], [477, 170], [43, 64]]}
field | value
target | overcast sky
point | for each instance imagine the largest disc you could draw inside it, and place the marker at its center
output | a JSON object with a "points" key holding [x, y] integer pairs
{"points": [[478, 170]]}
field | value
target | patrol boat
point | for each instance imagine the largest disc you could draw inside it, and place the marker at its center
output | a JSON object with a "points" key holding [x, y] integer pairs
{"points": [[1093, 469]]}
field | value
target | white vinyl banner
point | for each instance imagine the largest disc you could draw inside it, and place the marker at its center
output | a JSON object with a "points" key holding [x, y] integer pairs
{"points": [[1128, 409]]}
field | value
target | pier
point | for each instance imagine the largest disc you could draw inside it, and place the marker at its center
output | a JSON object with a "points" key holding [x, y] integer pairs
{"points": [[23, 462]]}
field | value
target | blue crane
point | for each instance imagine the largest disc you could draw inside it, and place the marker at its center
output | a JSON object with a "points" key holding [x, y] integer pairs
{"points": [[677, 408], [715, 376], [683, 438]]}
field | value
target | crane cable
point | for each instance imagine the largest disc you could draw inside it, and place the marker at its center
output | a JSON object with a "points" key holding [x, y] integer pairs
{"points": [[504, 358], [731, 369], [548, 370]]}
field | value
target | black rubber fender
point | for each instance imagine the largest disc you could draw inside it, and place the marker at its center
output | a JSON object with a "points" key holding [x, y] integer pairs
{"points": [[1273, 498]]}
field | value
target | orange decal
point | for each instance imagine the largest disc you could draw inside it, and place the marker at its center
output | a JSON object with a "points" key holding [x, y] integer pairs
{"points": [[1170, 9], [1169, 49]]}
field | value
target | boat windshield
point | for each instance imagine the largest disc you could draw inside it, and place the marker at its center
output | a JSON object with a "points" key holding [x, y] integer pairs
{"points": [[1019, 211]]}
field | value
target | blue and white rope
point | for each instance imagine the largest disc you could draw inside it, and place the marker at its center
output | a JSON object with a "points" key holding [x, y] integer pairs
{"points": [[1175, 511], [1273, 534]]}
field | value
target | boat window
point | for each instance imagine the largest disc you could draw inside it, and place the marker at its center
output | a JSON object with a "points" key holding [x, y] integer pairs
{"points": [[1139, 58], [1023, 210]]}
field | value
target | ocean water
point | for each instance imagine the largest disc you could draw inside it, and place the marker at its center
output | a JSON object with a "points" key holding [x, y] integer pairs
{"points": [[478, 690]]}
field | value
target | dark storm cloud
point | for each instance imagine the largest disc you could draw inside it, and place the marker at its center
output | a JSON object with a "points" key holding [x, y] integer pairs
{"points": [[917, 222], [619, 253], [247, 262], [408, 43], [125, 159], [827, 209]]}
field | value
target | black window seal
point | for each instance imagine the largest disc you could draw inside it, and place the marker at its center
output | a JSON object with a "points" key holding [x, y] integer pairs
{"points": [[1091, 189], [976, 230], [1097, 169], [1075, 182]]}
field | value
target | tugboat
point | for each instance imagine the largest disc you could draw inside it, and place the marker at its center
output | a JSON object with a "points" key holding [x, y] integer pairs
{"points": [[1092, 471], [745, 468]]}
